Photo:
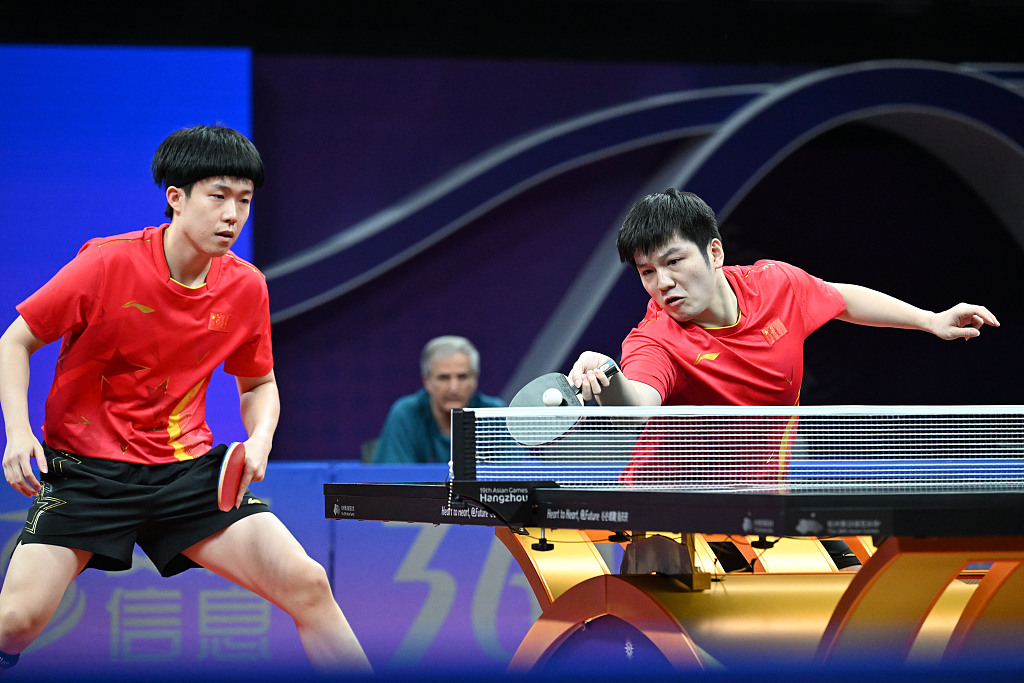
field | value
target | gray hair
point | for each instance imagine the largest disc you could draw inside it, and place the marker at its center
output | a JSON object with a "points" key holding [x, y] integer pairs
{"points": [[448, 345]]}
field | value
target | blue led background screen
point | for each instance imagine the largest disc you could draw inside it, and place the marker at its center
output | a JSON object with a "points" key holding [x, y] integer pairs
{"points": [[78, 128]]}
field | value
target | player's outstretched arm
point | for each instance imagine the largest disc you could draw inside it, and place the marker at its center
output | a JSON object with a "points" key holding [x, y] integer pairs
{"points": [[866, 306], [617, 390], [17, 344]]}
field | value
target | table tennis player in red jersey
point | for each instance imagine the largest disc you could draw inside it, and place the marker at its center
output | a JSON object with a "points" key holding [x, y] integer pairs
{"points": [[729, 335], [145, 318]]}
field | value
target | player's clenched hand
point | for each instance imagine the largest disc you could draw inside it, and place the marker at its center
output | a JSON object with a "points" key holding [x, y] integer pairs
{"points": [[586, 376], [257, 452], [963, 321], [18, 455]]}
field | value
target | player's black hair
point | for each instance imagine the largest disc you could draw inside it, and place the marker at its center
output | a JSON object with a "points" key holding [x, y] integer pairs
{"points": [[191, 154], [658, 218]]}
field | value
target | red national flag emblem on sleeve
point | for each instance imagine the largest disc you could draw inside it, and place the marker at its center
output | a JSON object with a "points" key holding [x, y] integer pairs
{"points": [[219, 322], [774, 331]]}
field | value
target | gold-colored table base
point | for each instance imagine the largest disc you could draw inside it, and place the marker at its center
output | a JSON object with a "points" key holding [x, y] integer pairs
{"points": [[913, 602]]}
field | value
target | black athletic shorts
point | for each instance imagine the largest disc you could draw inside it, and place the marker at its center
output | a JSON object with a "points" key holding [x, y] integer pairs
{"points": [[106, 507]]}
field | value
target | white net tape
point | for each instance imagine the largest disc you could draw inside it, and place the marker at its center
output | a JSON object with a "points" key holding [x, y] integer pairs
{"points": [[811, 448]]}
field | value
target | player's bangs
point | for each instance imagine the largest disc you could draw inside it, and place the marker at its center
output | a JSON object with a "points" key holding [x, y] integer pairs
{"points": [[648, 227], [657, 219], [192, 154]]}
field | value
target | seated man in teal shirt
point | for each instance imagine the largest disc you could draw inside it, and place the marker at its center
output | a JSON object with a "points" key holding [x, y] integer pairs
{"points": [[418, 427]]}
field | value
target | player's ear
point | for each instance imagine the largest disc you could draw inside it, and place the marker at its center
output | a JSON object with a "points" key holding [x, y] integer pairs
{"points": [[716, 253], [174, 197]]}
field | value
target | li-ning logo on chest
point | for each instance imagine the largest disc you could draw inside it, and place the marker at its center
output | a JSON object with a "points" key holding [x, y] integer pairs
{"points": [[132, 303]]}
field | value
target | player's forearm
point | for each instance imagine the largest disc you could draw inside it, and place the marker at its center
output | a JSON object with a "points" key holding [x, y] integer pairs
{"points": [[614, 390], [622, 391], [261, 408], [866, 306], [14, 379]]}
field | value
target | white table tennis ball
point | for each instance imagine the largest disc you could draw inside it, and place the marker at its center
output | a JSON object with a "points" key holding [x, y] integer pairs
{"points": [[552, 397]]}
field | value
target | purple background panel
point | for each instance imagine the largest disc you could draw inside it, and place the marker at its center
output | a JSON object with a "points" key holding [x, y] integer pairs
{"points": [[845, 200]]}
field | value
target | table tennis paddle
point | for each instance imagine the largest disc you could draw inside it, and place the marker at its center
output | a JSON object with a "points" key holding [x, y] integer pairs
{"points": [[230, 476], [534, 431]]}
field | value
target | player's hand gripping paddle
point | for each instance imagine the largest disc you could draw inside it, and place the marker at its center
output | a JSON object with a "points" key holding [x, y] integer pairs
{"points": [[230, 476], [551, 390]]}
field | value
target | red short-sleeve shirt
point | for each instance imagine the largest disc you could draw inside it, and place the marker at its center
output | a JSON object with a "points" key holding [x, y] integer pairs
{"points": [[139, 347]]}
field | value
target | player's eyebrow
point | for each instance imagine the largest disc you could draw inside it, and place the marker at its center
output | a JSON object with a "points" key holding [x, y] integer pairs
{"points": [[647, 258], [226, 184], [670, 251]]}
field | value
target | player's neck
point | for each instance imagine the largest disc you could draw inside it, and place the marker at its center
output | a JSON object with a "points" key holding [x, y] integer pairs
{"points": [[724, 309], [187, 265]]}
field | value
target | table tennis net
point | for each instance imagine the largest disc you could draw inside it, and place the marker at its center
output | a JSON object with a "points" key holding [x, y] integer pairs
{"points": [[820, 448]]}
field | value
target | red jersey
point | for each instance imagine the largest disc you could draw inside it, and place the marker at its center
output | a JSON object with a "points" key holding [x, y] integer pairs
{"points": [[756, 362], [139, 348]]}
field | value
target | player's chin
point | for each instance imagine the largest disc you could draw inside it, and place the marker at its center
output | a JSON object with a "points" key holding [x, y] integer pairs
{"points": [[678, 315], [218, 249], [222, 242]]}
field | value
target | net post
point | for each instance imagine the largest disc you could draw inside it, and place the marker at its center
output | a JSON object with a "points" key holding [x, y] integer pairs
{"points": [[464, 444]]}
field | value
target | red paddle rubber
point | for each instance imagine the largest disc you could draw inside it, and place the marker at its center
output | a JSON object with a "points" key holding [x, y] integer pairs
{"points": [[230, 476]]}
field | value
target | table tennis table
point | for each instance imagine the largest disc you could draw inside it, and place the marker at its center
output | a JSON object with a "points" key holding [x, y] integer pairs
{"points": [[931, 500]]}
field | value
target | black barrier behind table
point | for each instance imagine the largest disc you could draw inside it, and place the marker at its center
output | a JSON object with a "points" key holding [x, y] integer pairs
{"points": [[931, 513]]}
